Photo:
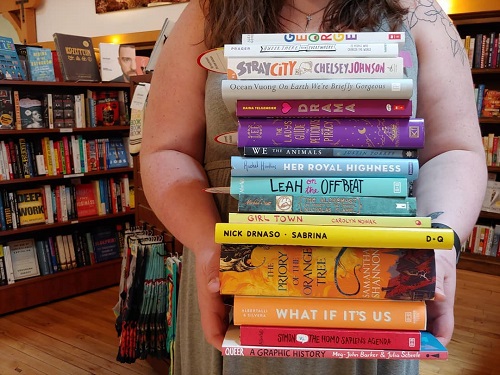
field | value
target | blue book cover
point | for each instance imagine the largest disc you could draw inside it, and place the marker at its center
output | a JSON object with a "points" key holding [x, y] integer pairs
{"points": [[328, 167], [321, 186], [10, 65], [116, 153], [106, 244], [40, 64], [278, 203]]}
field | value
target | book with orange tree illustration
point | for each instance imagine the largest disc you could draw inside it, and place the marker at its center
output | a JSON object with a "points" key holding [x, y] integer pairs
{"points": [[329, 312], [327, 272]]}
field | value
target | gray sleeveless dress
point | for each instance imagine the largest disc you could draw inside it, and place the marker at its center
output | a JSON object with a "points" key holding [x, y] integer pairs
{"points": [[193, 356]]}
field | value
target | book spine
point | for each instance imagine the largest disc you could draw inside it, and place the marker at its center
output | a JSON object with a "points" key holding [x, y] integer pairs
{"points": [[327, 272], [332, 132], [331, 205], [376, 88], [346, 187], [325, 108], [362, 221], [329, 235], [319, 167], [324, 38], [330, 338], [329, 313], [327, 152], [314, 68], [310, 50]]}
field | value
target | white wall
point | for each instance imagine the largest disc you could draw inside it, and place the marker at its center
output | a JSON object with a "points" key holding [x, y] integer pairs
{"points": [[78, 17], [6, 29]]}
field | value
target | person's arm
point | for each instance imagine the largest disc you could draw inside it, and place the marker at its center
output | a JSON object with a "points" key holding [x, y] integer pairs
{"points": [[452, 180], [171, 159]]}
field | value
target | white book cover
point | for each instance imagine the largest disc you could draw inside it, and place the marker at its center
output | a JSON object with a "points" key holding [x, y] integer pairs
{"points": [[24, 259], [111, 69], [376, 88], [167, 27], [8, 264], [354, 37], [314, 68], [312, 50]]}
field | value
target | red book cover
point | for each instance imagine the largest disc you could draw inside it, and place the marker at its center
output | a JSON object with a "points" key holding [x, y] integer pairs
{"points": [[355, 108], [332, 132], [329, 338], [86, 204]]}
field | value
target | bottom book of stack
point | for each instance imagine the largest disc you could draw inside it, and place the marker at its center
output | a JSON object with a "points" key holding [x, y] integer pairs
{"points": [[297, 342]]}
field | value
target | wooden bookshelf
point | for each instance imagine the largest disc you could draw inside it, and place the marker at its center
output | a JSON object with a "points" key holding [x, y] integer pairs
{"points": [[38, 290], [473, 24]]}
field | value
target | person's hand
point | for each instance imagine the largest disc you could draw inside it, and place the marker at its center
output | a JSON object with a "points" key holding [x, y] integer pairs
{"points": [[214, 315], [440, 318]]}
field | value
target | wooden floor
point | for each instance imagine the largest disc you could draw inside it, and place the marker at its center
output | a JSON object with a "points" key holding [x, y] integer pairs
{"points": [[77, 336]]}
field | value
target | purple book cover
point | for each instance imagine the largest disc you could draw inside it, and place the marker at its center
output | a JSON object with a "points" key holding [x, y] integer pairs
{"points": [[355, 108], [342, 132]]}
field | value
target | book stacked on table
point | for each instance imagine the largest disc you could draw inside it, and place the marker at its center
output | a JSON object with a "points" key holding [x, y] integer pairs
{"points": [[326, 257]]}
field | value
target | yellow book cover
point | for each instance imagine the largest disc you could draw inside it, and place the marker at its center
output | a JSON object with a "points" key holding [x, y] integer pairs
{"points": [[331, 235], [345, 220], [335, 272], [329, 313], [31, 207]]}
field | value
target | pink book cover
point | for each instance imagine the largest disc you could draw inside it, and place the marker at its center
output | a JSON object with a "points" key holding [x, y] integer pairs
{"points": [[355, 108], [332, 132]]}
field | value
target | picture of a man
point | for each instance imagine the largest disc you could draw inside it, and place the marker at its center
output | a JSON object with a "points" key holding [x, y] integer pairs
{"points": [[126, 59]]}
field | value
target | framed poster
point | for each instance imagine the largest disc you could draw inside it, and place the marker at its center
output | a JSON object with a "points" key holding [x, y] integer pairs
{"points": [[105, 6]]}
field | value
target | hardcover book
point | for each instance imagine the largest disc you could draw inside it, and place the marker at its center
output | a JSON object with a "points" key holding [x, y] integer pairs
{"points": [[110, 67], [319, 167], [267, 203], [431, 349], [330, 338], [31, 206], [77, 58], [31, 110], [106, 243], [274, 68], [327, 152], [323, 38], [24, 259], [321, 186], [329, 313], [86, 204], [327, 272], [331, 235], [312, 50], [116, 154], [350, 220], [10, 65], [40, 64], [325, 108], [7, 119], [332, 132], [355, 88]]}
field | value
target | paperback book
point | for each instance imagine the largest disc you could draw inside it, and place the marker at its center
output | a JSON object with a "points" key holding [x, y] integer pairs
{"points": [[278, 203], [10, 65], [323, 38], [332, 132], [24, 259], [40, 64], [329, 312], [324, 167], [431, 349], [334, 236], [327, 152], [327, 272], [325, 108]]}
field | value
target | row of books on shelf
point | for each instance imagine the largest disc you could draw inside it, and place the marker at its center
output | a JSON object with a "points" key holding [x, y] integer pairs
{"points": [[483, 240], [61, 155], [482, 50], [30, 257], [75, 200], [74, 59], [491, 150], [29, 109], [487, 101]]}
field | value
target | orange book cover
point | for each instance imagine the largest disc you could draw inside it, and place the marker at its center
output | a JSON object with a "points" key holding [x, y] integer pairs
{"points": [[329, 313], [335, 272]]}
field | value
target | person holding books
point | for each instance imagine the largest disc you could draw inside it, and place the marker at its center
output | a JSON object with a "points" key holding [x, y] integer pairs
{"points": [[180, 158]]}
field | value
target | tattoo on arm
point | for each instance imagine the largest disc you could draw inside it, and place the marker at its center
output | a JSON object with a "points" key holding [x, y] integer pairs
{"points": [[435, 215], [426, 11]]}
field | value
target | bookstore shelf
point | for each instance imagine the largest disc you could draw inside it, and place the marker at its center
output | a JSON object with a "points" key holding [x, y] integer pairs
{"points": [[38, 290], [472, 24]]}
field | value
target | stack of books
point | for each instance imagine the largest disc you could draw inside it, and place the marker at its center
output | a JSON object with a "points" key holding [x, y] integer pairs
{"points": [[326, 257]]}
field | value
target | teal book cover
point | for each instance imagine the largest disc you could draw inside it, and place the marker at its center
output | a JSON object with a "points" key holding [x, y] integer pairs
{"points": [[10, 65], [40, 64]]}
